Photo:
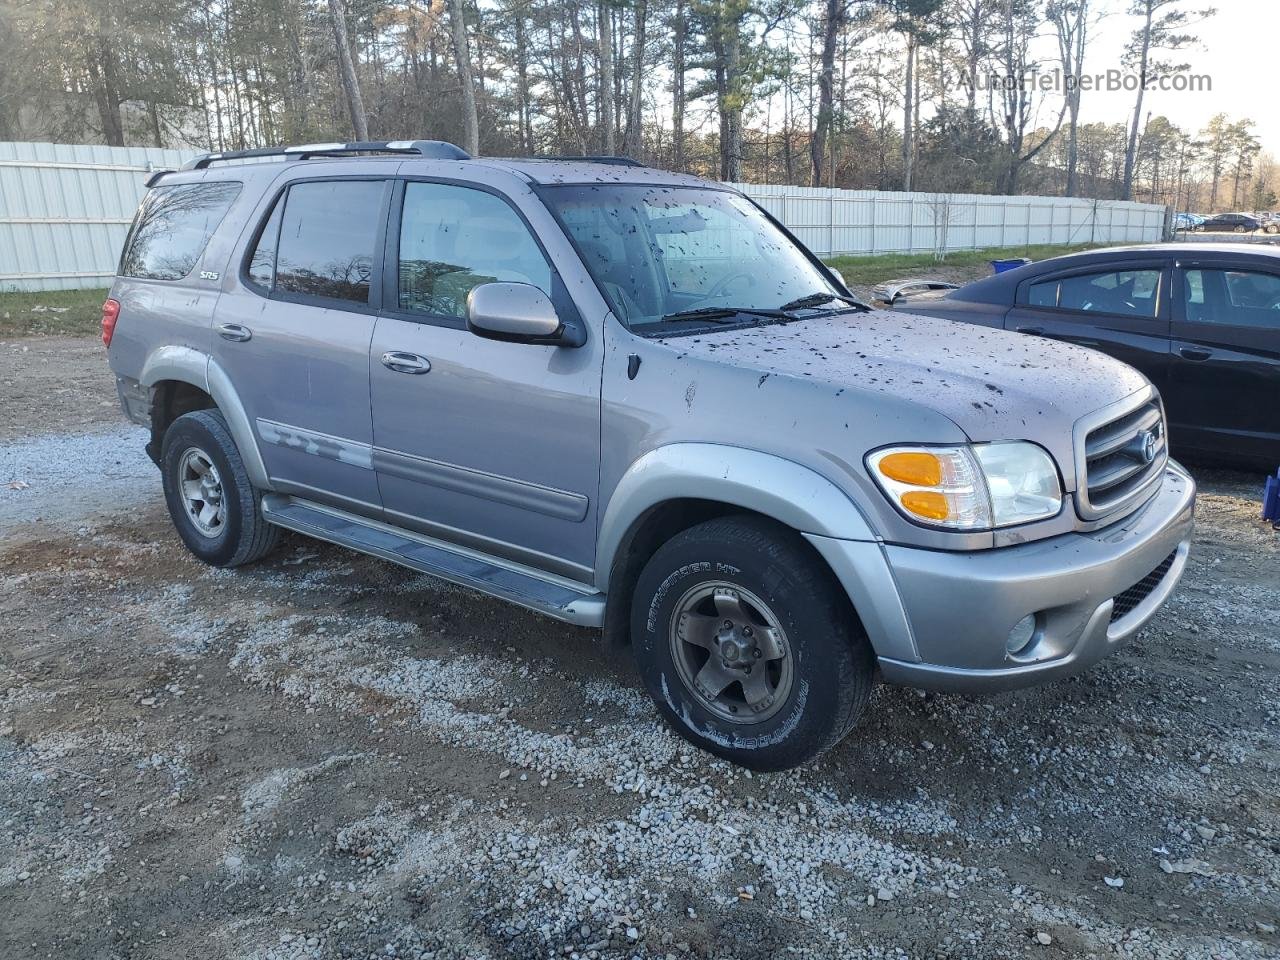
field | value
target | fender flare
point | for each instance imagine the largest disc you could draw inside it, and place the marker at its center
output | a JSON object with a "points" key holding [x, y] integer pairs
{"points": [[792, 494], [189, 365]]}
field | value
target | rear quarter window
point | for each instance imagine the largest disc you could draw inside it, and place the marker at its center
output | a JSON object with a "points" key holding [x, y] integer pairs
{"points": [[172, 228]]}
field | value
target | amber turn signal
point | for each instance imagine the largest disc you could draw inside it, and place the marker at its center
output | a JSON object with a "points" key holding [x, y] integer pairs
{"points": [[916, 468], [928, 504]]}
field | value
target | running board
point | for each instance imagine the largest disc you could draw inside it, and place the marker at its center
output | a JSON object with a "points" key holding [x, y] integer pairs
{"points": [[516, 584]]}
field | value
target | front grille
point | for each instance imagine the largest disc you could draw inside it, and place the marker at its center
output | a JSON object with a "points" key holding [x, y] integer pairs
{"points": [[1123, 457], [1126, 602]]}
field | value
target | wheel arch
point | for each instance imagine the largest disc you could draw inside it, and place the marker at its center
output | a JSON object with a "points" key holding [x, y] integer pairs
{"points": [[170, 366], [677, 486]]}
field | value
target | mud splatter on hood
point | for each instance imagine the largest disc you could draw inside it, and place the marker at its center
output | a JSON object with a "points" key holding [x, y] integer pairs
{"points": [[991, 383]]}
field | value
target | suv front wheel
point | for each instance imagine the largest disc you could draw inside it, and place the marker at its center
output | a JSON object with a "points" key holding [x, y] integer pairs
{"points": [[747, 644], [214, 507]]}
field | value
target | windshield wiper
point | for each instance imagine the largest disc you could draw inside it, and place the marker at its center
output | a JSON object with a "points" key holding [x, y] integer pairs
{"points": [[725, 314], [818, 299]]}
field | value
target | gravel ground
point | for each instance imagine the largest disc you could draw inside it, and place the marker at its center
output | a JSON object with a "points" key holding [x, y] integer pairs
{"points": [[324, 756], [60, 479]]}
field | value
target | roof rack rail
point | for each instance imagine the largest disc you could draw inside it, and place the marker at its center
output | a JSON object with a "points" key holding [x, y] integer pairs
{"points": [[434, 149], [615, 160]]}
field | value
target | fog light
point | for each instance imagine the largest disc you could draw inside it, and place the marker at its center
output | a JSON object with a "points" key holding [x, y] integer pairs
{"points": [[1020, 637]]}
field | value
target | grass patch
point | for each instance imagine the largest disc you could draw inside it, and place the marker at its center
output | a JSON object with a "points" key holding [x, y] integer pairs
{"points": [[866, 270], [71, 313]]}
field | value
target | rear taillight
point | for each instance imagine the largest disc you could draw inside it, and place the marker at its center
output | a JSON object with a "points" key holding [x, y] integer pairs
{"points": [[110, 313]]}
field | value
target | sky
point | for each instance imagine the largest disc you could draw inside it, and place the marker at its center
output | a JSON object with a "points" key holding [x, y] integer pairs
{"points": [[1239, 47]]}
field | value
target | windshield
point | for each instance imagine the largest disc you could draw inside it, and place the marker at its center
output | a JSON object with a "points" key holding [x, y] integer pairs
{"points": [[660, 252]]}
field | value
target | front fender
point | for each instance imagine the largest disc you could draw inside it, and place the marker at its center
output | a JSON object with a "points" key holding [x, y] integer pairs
{"points": [[191, 366], [782, 489]]}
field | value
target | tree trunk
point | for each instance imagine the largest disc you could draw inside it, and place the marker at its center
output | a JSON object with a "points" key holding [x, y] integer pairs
{"points": [[604, 43], [462, 54], [908, 114], [108, 106], [101, 65], [677, 89], [826, 88], [1131, 151], [347, 68], [727, 50], [632, 145], [522, 86]]}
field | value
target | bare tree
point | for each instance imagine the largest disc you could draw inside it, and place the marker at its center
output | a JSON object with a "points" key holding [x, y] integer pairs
{"points": [[911, 18], [631, 141], [834, 15], [1071, 21], [1020, 97], [462, 54], [1164, 27], [350, 83], [604, 43], [679, 29]]}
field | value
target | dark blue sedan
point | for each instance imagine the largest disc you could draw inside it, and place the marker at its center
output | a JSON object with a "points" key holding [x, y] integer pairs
{"points": [[1201, 320]]}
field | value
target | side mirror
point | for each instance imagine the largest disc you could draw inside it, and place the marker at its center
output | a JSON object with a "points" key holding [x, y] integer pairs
{"points": [[516, 312]]}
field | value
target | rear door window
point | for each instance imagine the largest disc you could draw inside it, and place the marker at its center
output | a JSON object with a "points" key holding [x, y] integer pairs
{"points": [[1241, 298], [321, 241], [172, 228]]}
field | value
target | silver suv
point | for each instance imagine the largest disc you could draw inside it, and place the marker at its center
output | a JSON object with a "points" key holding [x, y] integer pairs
{"points": [[630, 399]]}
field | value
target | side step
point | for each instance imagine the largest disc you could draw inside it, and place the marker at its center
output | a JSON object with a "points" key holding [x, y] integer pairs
{"points": [[542, 593]]}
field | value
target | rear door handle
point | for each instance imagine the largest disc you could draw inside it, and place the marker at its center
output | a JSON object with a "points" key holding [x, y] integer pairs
{"points": [[1192, 353], [1034, 331], [402, 362], [233, 331]]}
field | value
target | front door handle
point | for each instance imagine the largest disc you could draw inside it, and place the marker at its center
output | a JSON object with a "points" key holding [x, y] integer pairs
{"points": [[1194, 353], [402, 362], [233, 331], [1034, 331]]}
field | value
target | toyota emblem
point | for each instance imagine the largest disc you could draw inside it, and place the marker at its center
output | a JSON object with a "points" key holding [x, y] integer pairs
{"points": [[1148, 448]]}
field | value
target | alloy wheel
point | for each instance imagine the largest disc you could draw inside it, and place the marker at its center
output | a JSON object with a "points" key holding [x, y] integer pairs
{"points": [[200, 488], [731, 652]]}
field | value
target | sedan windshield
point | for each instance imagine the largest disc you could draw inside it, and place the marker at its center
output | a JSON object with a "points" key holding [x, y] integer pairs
{"points": [[671, 256]]}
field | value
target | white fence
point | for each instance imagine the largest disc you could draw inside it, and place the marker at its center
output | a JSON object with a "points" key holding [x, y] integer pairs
{"points": [[64, 212], [876, 221]]}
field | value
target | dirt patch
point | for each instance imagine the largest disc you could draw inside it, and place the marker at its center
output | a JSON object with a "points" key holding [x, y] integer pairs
{"points": [[55, 384]]}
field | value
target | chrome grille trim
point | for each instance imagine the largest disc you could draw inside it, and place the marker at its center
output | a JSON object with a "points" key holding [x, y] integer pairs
{"points": [[1111, 478]]}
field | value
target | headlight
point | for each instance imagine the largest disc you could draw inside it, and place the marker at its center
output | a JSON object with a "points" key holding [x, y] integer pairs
{"points": [[977, 487], [1022, 481]]}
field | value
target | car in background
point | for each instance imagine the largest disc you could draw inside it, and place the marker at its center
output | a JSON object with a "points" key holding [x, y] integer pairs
{"points": [[1187, 221], [1271, 222], [1201, 320], [1232, 223]]}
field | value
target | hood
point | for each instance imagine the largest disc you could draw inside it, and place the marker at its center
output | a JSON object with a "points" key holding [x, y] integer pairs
{"points": [[993, 384]]}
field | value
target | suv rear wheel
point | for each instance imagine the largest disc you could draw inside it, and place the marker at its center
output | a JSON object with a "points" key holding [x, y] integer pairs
{"points": [[747, 644], [214, 507]]}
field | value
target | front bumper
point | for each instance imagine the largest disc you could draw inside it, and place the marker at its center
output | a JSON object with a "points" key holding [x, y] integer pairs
{"points": [[945, 622]]}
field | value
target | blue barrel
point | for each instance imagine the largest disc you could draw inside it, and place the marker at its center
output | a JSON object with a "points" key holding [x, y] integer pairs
{"points": [[1000, 266]]}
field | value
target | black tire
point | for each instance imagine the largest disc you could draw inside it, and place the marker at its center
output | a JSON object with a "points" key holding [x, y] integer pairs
{"points": [[832, 665], [241, 534]]}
